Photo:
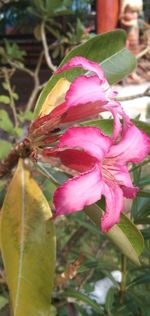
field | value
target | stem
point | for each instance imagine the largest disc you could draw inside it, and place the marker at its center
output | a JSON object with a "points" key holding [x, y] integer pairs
{"points": [[143, 52], [140, 165], [12, 103], [123, 280], [146, 93], [45, 46], [34, 75], [37, 86]]}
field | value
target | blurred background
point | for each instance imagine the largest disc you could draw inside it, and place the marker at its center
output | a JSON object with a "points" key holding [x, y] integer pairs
{"points": [[66, 24]]}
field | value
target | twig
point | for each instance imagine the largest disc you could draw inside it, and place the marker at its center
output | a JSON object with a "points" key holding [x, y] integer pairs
{"points": [[72, 241], [146, 93], [9, 89], [37, 85], [123, 280], [90, 273], [70, 271], [46, 49], [143, 52], [20, 67], [34, 75]]}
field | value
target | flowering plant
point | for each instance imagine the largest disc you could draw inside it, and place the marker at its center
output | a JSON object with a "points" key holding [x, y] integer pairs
{"points": [[66, 137]]}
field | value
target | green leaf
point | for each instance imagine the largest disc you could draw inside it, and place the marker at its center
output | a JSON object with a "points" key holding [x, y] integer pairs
{"points": [[56, 176], [5, 148], [4, 99], [25, 116], [28, 245], [15, 95], [84, 298], [106, 125], [141, 209], [124, 235], [145, 278], [3, 301], [18, 131], [109, 300], [144, 193], [146, 233], [13, 51], [5, 122], [143, 220], [107, 49]]}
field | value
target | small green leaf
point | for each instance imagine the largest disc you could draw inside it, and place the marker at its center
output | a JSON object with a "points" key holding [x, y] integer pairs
{"points": [[5, 86], [25, 116], [5, 148], [124, 235], [15, 96], [5, 122], [28, 245], [4, 99], [18, 131], [107, 49]]}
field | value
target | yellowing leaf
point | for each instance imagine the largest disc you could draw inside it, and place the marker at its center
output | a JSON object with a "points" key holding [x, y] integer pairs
{"points": [[55, 97], [28, 245]]}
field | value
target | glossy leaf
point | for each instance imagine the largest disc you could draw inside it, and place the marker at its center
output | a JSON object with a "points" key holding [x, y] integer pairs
{"points": [[145, 278], [144, 193], [84, 298], [107, 49], [28, 245], [124, 235], [106, 125], [109, 300]]}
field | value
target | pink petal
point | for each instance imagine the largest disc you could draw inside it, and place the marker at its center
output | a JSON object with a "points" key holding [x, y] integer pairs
{"points": [[114, 205], [72, 158], [84, 63], [133, 147], [78, 192], [84, 90], [81, 113], [129, 192], [122, 176], [88, 138], [91, 66]]}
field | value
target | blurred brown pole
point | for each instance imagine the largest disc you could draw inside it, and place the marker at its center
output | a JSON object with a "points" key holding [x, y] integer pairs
{"points": [[107, 13]]}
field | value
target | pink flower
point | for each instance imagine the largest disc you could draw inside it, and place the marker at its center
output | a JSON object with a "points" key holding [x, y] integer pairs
{"points": [[80, 100], [101, 166]]}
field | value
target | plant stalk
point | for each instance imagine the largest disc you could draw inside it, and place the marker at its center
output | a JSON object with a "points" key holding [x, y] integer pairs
{"points": [[12, 103], [123, 280]]}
